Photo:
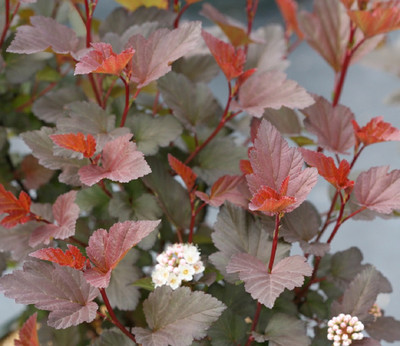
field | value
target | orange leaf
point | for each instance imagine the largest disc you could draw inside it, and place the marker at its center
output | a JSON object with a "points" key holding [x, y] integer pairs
{"points": [[382, 18], [185, 172], [18, 210], [71, 258], [376, 131], [28, 333], [76, 142], [288, 9]]}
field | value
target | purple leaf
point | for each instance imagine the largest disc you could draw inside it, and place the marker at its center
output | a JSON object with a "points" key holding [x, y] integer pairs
{"points": [[270, 90], [120, 162], [154, 55], [61, 290], [65, 212], [107, 249], [176, 317], [366, 342], [42, 34], [272, 161], [264, 286], [379, 190], [384, 328], [332, 125]]}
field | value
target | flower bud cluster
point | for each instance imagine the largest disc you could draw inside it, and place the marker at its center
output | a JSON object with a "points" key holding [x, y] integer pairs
{"points": [[179, 262], [343, 329], [375, 311]]}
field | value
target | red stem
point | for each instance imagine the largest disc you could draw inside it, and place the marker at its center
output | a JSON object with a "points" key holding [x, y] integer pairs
{"points": [[8, 20], [178, 17], [192, 219], [108, 93], [126, 109], [114, 319], [88, 23], [254, 324], [251, 9], [328, 216], [221, 124], [274, 243]]}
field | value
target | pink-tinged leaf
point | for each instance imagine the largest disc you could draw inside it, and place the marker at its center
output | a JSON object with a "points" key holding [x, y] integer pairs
{"points": [[376, 131], [18, 209], [379, 190], [71, 258], [337, 176], [33, 174], [43, 33], [227, 188], [185, 172], [28, 333], [61, 290], [327, 31], [235, 31], [76, 142], [229, 59], [288, 9], [382, 18], [154, 55], [272, 161], [106, 249], [65, 212], [120, 161], [102, 59], [264, 286], [270, 201], [332, 125], [270, 90]]}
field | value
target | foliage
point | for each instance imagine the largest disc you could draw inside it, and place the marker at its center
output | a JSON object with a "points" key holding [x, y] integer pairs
{"points": [[106, 224]]}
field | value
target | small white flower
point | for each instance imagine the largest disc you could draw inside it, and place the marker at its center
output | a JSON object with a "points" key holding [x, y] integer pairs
{"points": [[343, 329], [173, 281], [191, 254], [186, 272]]}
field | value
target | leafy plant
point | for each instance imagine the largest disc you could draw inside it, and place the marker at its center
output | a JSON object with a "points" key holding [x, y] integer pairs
{"points": [[105, 224]]}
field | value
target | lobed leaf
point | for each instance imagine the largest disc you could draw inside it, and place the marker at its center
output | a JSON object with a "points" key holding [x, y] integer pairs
{"points": [[44, 32], [378, 190], [384, 328], [264, 286], [155, 54], [113, 337], [76, 142], [107, 249], [61, 290], [188, 316], [332, 125], [288, 9], [376, 131], [34, 174], [65, 212], [28, 333], [270, 90], [121, 162], [185, 172]]}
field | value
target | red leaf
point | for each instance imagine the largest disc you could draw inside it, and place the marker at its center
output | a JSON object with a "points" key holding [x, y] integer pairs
{"points": [[34, 175], [245, 167], [235, 31], [382, 18], [268, 200], [71, 258], [61, 290], [18, 210], [76, 142], [332, 125], [273, 161], [102, 59], [185, 172], [226, 188], [376, 131], [379, 190], [337, 176], [230, 60], [270, 90], [120, 162], [106, 249], [264, 286], [154, 55], [65, 212], [28, 333], [288, 9]]}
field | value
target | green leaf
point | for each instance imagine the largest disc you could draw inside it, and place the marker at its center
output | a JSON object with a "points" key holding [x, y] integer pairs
{"points": [[145, 283], [176, 317], [92, 197], [315, 306], [197, 68], [230, 329], [21, 67], [284, 330], [113, 337], [193, 104], [237, 231], [48, 74], [302, 141], [220, 157], [152, 133]]}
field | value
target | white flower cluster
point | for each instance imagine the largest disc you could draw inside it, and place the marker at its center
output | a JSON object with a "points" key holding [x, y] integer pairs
{"points": [[343, 329], [179, 262]]}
